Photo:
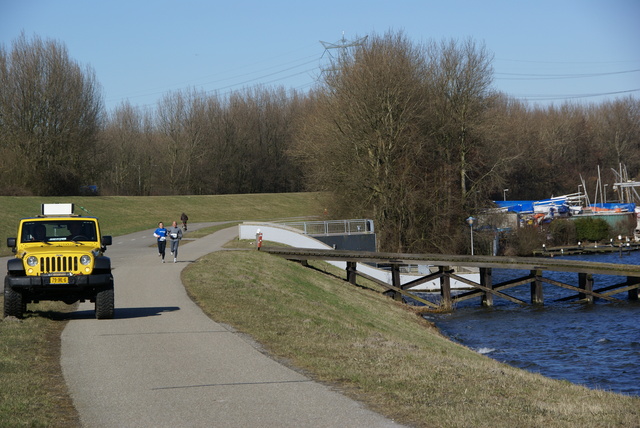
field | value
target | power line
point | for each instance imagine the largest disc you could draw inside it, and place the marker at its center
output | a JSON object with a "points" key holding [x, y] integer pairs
{"points": [[260, 78], [528, 61], [243, 82], [531, 76], [574, 96]]}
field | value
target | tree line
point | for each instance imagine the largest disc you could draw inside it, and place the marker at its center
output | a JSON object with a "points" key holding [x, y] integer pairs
{"points": [[411, 135]]}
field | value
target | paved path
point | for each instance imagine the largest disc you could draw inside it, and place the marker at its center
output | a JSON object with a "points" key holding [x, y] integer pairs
{"points": [[162, 363]]}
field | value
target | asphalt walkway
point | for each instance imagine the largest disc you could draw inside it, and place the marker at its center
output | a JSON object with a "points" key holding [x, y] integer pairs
{"points": [[162, 363]]}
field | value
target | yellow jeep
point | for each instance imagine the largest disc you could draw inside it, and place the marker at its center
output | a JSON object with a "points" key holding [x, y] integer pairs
{"points": [[59, 256]]}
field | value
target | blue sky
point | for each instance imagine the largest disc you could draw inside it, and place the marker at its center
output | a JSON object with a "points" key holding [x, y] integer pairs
{"points": [[545, 51]]}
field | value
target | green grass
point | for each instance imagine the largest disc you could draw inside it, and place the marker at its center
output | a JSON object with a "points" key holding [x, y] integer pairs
{"points": [[125, 214]]}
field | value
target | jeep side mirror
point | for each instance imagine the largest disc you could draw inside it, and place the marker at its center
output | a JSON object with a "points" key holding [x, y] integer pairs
{"points": [[11, 242], [106, 240]]}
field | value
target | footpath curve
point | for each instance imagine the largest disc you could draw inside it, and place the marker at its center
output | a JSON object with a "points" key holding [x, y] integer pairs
{"points": [[161, 362]]}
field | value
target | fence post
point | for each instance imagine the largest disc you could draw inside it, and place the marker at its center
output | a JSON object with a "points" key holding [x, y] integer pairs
{"points": [[633, 293], [486, 280], [585, 282], [445, 287], [351, 272], [537, 296], [395, 280]]}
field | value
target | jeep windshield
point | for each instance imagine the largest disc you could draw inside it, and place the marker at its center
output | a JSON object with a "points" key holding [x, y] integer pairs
{"points": [[58, 230]]}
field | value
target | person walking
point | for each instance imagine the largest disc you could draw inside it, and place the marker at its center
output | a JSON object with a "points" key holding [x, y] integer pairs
{"points": [[175, 235], [161, 234], [184, 219]]}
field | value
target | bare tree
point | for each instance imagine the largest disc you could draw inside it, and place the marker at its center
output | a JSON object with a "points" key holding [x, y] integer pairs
{"points": [[617, 126], [182, 124], [360, 139], [50, 108], [552, 147], [125, 152], [248, 139], [396, 133], [461, 75]]}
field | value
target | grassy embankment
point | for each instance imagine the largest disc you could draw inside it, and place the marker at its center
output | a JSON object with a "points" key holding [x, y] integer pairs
{"points": [[372, 348], [382, 353]]}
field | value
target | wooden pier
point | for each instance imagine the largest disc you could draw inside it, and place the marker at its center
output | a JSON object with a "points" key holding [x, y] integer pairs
{"points": [[567, 250], [485, 290]]}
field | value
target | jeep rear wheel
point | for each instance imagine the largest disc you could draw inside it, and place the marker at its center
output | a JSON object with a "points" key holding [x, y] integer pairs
{"points": [[105, 304], [13, 302]]}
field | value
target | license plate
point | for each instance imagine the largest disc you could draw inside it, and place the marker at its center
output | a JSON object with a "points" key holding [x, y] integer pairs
{"points": [[59, 280]]}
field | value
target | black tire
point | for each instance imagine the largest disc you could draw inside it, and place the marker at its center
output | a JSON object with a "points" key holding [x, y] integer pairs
{"points": [[14, 306], [105, 304]]}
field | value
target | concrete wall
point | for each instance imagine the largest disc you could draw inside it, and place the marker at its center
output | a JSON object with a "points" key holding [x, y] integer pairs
{"points": [[292, 237], [352, 242]]}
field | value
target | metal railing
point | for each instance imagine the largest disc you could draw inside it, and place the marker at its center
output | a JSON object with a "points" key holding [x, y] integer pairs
{"points": [[332, 227]]}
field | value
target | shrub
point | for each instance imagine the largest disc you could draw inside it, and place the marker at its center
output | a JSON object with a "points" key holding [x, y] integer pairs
{"points": [[563, 232], [524, 241], [591, 229], [624, 228]]}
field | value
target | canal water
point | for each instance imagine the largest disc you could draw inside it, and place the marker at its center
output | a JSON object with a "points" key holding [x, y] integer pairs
{"points": [[597, 345]]}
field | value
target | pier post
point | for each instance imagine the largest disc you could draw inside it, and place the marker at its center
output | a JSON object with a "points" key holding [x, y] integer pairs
{"points": [[445, 287], [537, 295], [351, 272], [395, 280], [585, 282], [486, 280], [633, 294]]}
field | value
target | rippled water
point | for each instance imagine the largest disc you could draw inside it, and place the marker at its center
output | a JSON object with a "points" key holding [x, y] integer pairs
{"points": [[596, 345]]}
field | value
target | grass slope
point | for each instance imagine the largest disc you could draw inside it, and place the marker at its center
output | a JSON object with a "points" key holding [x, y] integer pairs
{"points": [[384, 354]]}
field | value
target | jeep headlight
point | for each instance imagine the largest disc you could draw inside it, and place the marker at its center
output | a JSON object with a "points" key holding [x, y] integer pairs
{"points": [[85, 260], [32, 261]]}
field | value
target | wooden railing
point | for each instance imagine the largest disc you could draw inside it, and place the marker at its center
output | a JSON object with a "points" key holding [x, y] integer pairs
{"points": [[485, 289]]}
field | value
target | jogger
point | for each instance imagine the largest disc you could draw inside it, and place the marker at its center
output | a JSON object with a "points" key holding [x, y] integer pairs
{"points": [[175, 235], [161, 234]]}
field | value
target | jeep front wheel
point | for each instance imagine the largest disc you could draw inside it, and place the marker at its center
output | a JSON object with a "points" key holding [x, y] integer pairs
{"points": [[105, 304], [13, 302]]}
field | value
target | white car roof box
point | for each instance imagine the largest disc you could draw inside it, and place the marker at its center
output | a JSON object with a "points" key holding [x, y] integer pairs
{"points": [[57, 209]]}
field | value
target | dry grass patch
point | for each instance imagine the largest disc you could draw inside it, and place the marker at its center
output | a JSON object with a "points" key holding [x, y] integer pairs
{"points": [[32, 390], [383, 353]]}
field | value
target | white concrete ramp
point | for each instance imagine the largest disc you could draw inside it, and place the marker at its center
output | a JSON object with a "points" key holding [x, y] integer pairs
{"points": [[295, 238]]}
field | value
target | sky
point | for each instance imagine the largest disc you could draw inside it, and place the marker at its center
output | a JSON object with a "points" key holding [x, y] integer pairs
{"points": [[544, 51]]}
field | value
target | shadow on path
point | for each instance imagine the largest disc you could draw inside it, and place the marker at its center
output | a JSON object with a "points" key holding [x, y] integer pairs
{"points": [[120, 313]]}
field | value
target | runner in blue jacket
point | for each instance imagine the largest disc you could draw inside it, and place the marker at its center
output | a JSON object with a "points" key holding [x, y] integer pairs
{"points": [[161, 234]]}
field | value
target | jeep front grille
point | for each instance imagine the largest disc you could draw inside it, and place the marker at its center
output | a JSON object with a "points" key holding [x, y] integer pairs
{"points": [[58, 264]]}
